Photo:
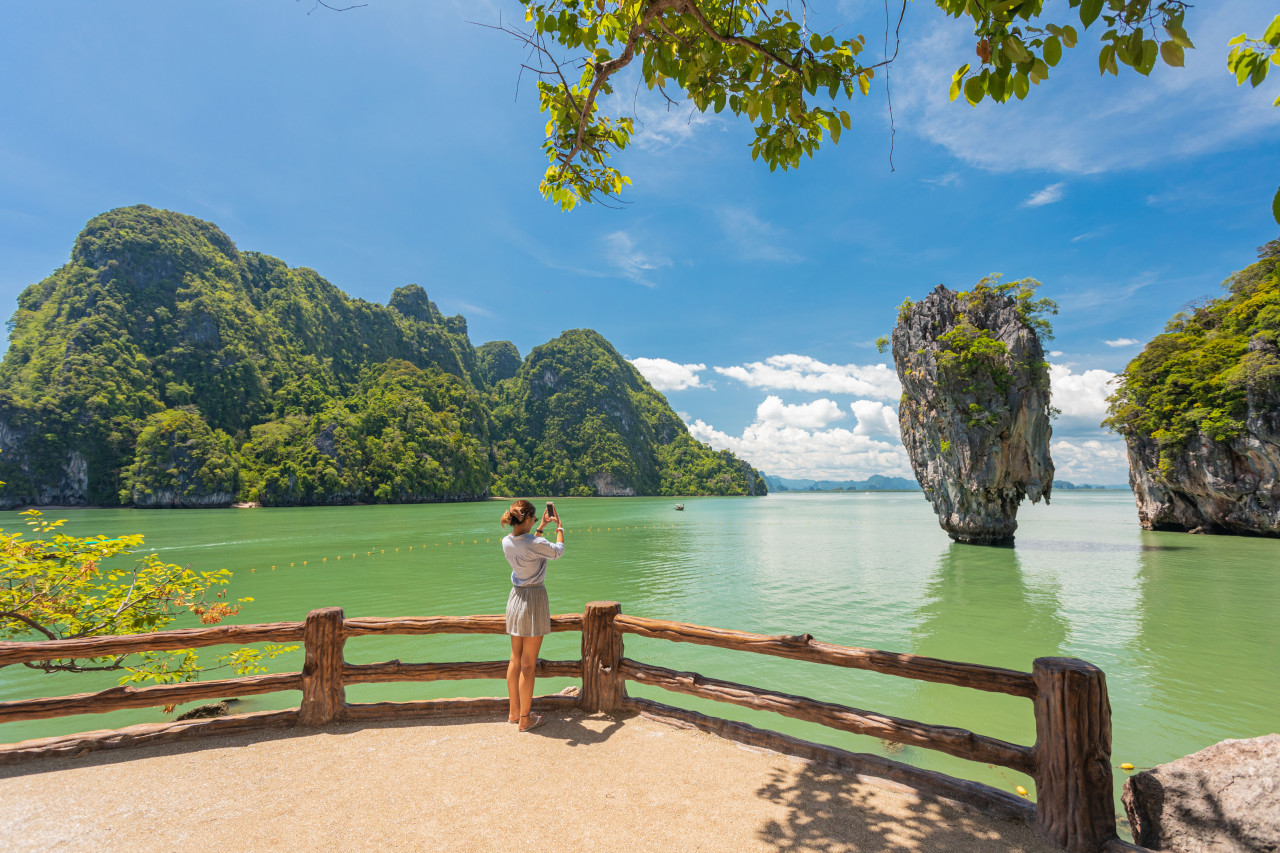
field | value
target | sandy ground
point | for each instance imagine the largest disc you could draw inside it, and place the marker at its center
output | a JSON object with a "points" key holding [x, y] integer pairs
{"points": [[579, 782]]}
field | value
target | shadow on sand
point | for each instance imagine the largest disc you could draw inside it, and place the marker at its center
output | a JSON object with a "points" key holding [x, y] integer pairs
{"points": [[826, 810]]}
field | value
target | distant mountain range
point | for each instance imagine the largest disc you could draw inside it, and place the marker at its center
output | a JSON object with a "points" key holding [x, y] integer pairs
{"points": [[874, 483], [878, 483], [1069, 486]]}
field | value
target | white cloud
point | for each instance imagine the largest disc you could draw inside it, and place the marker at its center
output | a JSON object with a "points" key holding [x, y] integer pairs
{"points": [[1088, 235], [1057, 353], [815, 415], [473, 310], [1083, 123], [948, 180], [632, 263], [666, 375], [787, 451], [1098, 462], [665, 127], [802, 373], [874, 418], [1122, 342], [1048, 195], [1088, 301], [754, 239], [1081, 396]]}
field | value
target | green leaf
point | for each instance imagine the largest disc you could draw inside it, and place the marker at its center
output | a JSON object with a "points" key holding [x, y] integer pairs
{"points": [[1272, 35], [1275, 202], [1052, 51], [1244, 66], [995, 85], [974, 90], [1148, 57], [1178, 34], [1237, 40], [1089, 11], [1069, 36], [1259, 73], [1021, 86], [1171, 53], [1016, 49]]}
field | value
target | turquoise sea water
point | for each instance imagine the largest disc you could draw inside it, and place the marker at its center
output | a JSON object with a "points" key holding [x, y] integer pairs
{"points": [[1186, 627]]}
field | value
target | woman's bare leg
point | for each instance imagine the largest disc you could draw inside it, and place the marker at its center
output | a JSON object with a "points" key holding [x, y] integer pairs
{"points": [[528, 664], [513, 679]]}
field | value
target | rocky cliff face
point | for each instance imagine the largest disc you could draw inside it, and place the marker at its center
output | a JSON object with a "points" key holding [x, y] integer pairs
{"points": [[1199, 409], [1212, 486], [974, 413], [66, 483]]}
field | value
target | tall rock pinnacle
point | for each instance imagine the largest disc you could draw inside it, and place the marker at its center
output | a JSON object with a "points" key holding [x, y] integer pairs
{"points": [[975, 409]]}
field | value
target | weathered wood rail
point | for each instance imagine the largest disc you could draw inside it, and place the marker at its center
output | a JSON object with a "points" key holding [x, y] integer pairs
{"points": [[1070, 760]]}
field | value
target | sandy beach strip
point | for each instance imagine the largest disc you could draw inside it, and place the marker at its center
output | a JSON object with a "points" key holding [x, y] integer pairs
{"points": [[578, 782]]}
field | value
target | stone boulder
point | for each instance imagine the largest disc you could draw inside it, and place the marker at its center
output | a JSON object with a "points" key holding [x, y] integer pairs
{"points": [[1223, 799], [974, 413]]}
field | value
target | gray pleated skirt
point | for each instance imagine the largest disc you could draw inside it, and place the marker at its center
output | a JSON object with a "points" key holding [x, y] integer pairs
{"points": [[528, 612]]}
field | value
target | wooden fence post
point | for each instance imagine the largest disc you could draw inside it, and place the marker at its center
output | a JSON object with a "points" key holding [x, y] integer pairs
{"points": [[323, 695], [603, 688], [1074, 799]]}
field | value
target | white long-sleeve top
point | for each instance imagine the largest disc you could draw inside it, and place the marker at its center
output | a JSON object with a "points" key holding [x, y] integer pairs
{"points": [[528, 555]]}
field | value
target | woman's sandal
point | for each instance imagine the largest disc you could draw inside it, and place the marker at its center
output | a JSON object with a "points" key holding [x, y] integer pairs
{"points": [[537, 719]]}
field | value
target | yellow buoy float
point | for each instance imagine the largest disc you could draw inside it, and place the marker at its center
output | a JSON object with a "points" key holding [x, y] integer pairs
{"points": [[1126, 766]]}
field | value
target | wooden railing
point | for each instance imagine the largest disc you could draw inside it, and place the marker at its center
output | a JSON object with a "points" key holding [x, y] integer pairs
{"points": [[1070, 760]]}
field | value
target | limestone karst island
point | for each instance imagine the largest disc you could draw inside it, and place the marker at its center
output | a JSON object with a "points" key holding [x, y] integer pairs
{"points": [[657, 425]]}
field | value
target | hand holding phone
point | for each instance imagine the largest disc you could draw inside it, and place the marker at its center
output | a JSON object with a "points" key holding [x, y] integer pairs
{"points": [[550, 514]]}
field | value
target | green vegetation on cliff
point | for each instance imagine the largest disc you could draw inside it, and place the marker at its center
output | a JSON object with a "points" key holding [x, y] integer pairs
{"points": [[180, 462], [408, 435], [579, 419], [1198, 376], [162, 366], [497, 360]]}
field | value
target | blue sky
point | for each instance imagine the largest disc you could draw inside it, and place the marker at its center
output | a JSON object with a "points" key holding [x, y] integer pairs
{"points": [[389, 144]]}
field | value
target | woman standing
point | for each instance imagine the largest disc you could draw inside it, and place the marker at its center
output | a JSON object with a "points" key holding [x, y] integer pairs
{"points": [[528, 611]]}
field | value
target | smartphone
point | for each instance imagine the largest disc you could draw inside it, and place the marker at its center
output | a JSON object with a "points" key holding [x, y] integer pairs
{"points": [[551, 509]]}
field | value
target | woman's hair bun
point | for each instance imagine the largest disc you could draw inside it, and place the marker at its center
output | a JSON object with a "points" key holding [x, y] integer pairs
{"points": [[519, 512]]}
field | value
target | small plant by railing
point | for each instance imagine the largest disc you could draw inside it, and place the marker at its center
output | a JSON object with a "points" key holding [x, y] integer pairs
{"points": [[1070, 760]]}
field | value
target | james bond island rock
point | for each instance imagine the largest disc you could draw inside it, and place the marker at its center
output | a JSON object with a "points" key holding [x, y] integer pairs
{"points": [[579, 419], [1199, 409], [1222, 799], [164, 367], [974, 413]]}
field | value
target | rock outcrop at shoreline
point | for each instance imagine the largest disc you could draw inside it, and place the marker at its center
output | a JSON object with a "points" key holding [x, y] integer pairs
{"points": [[1199, 409], [1213, 486], [974, 414]]}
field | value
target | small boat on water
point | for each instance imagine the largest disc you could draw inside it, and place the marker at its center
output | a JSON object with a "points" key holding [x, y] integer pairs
{"points": [[679, 507]]}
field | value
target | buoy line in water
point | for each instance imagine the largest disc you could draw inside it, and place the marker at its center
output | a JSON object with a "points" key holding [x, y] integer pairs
{"points": [[488, 540]]}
